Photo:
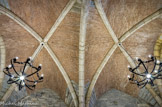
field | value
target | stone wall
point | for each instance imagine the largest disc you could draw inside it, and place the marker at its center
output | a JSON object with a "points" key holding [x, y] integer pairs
{"points": [[4, 3], [146, 96], [115, 98], [4, 87], [43, 98], [15, 97]]}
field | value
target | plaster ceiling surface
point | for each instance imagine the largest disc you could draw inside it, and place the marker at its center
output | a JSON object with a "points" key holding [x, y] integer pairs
{"points": [[65, 43], [53, 77], [98, 42], [18, 41], [122, 15], [39, 14], [128, 13]]}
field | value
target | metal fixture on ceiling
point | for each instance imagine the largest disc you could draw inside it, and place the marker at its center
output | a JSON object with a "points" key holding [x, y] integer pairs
{"points": [[147, 76], [21, 78]]}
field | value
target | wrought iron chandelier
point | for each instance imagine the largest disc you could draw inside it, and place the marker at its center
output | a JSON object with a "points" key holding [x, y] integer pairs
{"points": [[21, 78], [147, 76]]}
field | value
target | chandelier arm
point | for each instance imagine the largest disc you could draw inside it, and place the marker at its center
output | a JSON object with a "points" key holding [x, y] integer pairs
{"points": [[155, 73], [20, 86], [38, 75], [160, 71], [138, 65], [142, 80], [17, 83], [40, 78], [151, 82], [136, 73], [30, 64], [38, 81], [33, 66], [32, 73], [24, 68], [160, 75], [144, 66], [12, 81], [9, 74], [33, 81], [20, 82], [144, 84], [16, 76], [132, 70], [132, 77], [26, 62], [19, 62], [14, 67], [29, 86], [140, 83], [152, 59], [37, 69], [157, 76], [159, 68], [30, 80], [154, 67]]}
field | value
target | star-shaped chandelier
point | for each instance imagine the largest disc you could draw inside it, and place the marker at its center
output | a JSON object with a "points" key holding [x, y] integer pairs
{"points": [[21, 78], [145, 77]]}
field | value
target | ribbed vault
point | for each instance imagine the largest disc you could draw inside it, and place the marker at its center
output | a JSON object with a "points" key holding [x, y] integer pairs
{"points": [[111, 34]]}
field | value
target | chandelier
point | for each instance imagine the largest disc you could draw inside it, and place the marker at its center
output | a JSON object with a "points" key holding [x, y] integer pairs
{"points": [[20, 77], [147, 76]]}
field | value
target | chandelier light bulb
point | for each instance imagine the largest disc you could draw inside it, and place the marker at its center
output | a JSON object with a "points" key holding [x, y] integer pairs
{"points": [[35, 83], [128, 76], [40, 64], [42, 75], [148, 75], [137, 58], [22, 77], [150, 56], [158, 62], [9, 66], [16, 57], [29, 57], [155, 71], [128, 66]]}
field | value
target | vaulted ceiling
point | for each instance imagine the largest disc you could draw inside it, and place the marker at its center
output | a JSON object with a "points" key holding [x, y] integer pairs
{"points": [[126, 18]]}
